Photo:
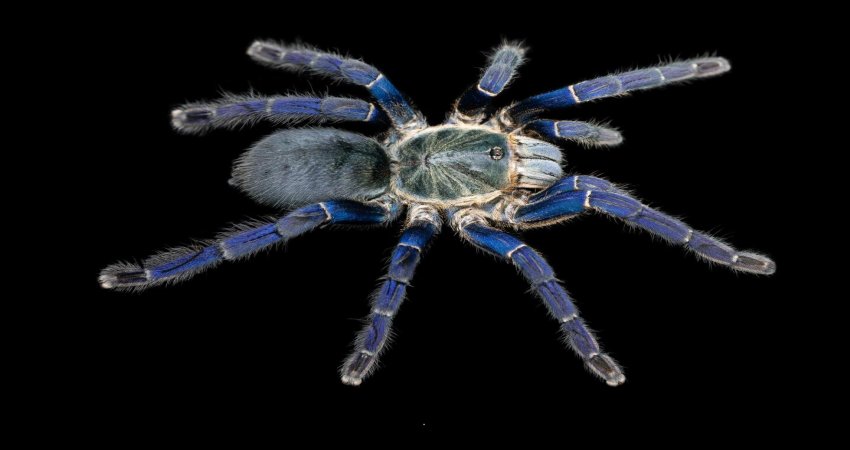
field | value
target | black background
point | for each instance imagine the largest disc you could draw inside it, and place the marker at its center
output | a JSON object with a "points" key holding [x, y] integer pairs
{"points": [[253, 348]]}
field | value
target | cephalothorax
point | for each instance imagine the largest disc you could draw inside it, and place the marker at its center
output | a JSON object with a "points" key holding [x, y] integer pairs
{"points": [[485, 170]]}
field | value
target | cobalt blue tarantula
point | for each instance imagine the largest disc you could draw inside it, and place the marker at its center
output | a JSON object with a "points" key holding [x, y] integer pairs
{"points": [[484, 171]]}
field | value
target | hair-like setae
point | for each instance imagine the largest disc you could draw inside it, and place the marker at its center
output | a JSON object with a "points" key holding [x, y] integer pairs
{"points": [[296, 167]]}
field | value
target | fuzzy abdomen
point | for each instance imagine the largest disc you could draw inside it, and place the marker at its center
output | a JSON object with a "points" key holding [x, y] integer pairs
{"points": [[291, 168]]}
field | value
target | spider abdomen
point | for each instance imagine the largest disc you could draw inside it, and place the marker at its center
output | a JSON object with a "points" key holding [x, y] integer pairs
{"points": [[449, 164], [296, 167]]}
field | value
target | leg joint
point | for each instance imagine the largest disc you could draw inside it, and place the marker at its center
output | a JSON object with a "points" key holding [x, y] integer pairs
{"points": [[569, 318], [383, 312]]}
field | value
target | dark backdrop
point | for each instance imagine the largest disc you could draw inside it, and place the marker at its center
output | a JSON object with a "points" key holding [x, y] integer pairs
{"points": [[257, 344]]}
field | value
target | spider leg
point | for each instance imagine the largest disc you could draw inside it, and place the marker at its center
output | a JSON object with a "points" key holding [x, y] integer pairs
{"points": [[353, 71], [234, 110], [542, 279], [576, 183], [555, 206], [423, 223], [608, 86], [561, 131], [501, 67], [182, 263]]}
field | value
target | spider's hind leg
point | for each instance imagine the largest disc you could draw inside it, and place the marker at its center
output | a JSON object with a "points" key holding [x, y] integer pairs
{"points": [[234, 111], [182, 263], [542, 279], [422, 224], [280, 56]]}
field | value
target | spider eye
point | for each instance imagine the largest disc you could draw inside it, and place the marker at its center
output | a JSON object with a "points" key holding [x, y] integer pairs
{"points": [[497, 153]]}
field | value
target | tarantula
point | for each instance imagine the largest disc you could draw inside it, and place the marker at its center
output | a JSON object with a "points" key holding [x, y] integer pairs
{"points": [[484, 171]]}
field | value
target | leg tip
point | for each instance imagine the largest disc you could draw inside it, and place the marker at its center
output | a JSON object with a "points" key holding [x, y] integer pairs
{"points": [[191, 119], [106, 281], [754, 263], [605, 367], [616, 381], [351, 381], [254, 48], [123, 275], [265, 52], [357, 367], [178, 118], [712, 66], [608, 136]]}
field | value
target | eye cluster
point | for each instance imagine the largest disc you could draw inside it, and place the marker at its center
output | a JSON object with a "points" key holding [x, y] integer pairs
{"points": [[497, 152]]}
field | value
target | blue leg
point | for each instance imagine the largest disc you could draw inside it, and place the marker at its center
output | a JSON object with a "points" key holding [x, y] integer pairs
{"points": [[423, 223], [559, 206], [352, 71], [612, 85], [542, 279], [182, 263], [234, 111], [576, 183], [568, 130], [501, 68]]}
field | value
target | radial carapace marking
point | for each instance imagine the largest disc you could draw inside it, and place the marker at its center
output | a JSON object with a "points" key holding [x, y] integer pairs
{"points": [[451, 163]]}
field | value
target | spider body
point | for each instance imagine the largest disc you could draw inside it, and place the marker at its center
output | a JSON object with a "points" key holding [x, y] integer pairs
{"points": [[485, 171]]}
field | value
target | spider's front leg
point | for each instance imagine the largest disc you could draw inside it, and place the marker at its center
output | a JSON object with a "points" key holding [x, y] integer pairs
{"points": [[501, 68], [540, 275], [525, 111], [423, 222], [562, 131], [574, 195]]}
